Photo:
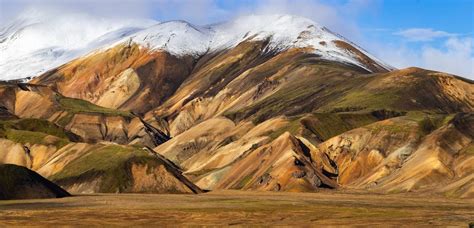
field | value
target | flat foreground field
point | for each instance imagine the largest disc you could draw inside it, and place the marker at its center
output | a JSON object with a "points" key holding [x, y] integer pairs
{"points": [[240, 208]]}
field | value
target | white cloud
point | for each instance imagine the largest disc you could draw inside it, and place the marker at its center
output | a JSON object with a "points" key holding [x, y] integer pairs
{"points": [[195, 11], [339, 18], [9, 9], [423, 34], [456, 56]]}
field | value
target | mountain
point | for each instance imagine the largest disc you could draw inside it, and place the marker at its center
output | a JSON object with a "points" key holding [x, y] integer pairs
{"points": [[274, 103], [17, 182], [35, 43]]}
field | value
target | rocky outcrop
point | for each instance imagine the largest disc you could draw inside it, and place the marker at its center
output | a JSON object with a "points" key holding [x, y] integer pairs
{"points": [[395, 156], [5, 114], [285, 164]]}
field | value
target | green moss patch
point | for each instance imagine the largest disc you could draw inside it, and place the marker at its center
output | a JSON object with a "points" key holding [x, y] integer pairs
{"points": [[469, 149], [32, 138], [74, 105], [34, 131], [393, 128], [428, 122], [365, 99], [38, 125], [111, 163], [66, 119], [326, 125], [293, 126]]}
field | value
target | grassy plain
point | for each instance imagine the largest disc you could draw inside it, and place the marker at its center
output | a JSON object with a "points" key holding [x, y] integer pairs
{"points": [[242, 208]]}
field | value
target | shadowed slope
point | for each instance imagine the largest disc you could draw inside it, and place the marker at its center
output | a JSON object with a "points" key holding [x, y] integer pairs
{"points": [[18, 182]]}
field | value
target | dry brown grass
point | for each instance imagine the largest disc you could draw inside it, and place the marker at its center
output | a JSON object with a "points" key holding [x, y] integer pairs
{"points": [[241, 208]]}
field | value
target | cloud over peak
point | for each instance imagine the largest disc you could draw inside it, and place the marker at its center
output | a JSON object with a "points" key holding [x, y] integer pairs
{"points": [[423, 34]]}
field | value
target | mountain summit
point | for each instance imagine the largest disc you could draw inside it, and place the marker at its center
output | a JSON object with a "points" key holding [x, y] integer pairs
{"points": [[32, 45]]}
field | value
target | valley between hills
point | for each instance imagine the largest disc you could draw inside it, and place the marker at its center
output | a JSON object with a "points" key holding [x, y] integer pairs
{"points": [[233, 125]]}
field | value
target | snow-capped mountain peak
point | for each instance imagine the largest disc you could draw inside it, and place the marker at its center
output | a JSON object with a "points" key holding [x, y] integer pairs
{"points": [[32, 45], [177, 37], [36, 42]]}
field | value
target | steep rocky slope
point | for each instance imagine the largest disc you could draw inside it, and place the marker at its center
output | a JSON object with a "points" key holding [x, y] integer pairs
{"points": [[406, 154], [17, 182], [286, 164]]}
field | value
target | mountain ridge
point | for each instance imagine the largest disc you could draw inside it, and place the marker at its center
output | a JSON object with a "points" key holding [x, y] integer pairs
{"points": [[179, 38]]}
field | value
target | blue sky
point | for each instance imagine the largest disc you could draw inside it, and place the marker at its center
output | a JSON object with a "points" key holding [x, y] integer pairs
{"points": [[433, 34]]}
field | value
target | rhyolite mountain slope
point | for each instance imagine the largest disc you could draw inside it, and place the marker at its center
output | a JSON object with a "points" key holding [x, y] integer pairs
{"points": [[281, 104], [18, 182]]}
